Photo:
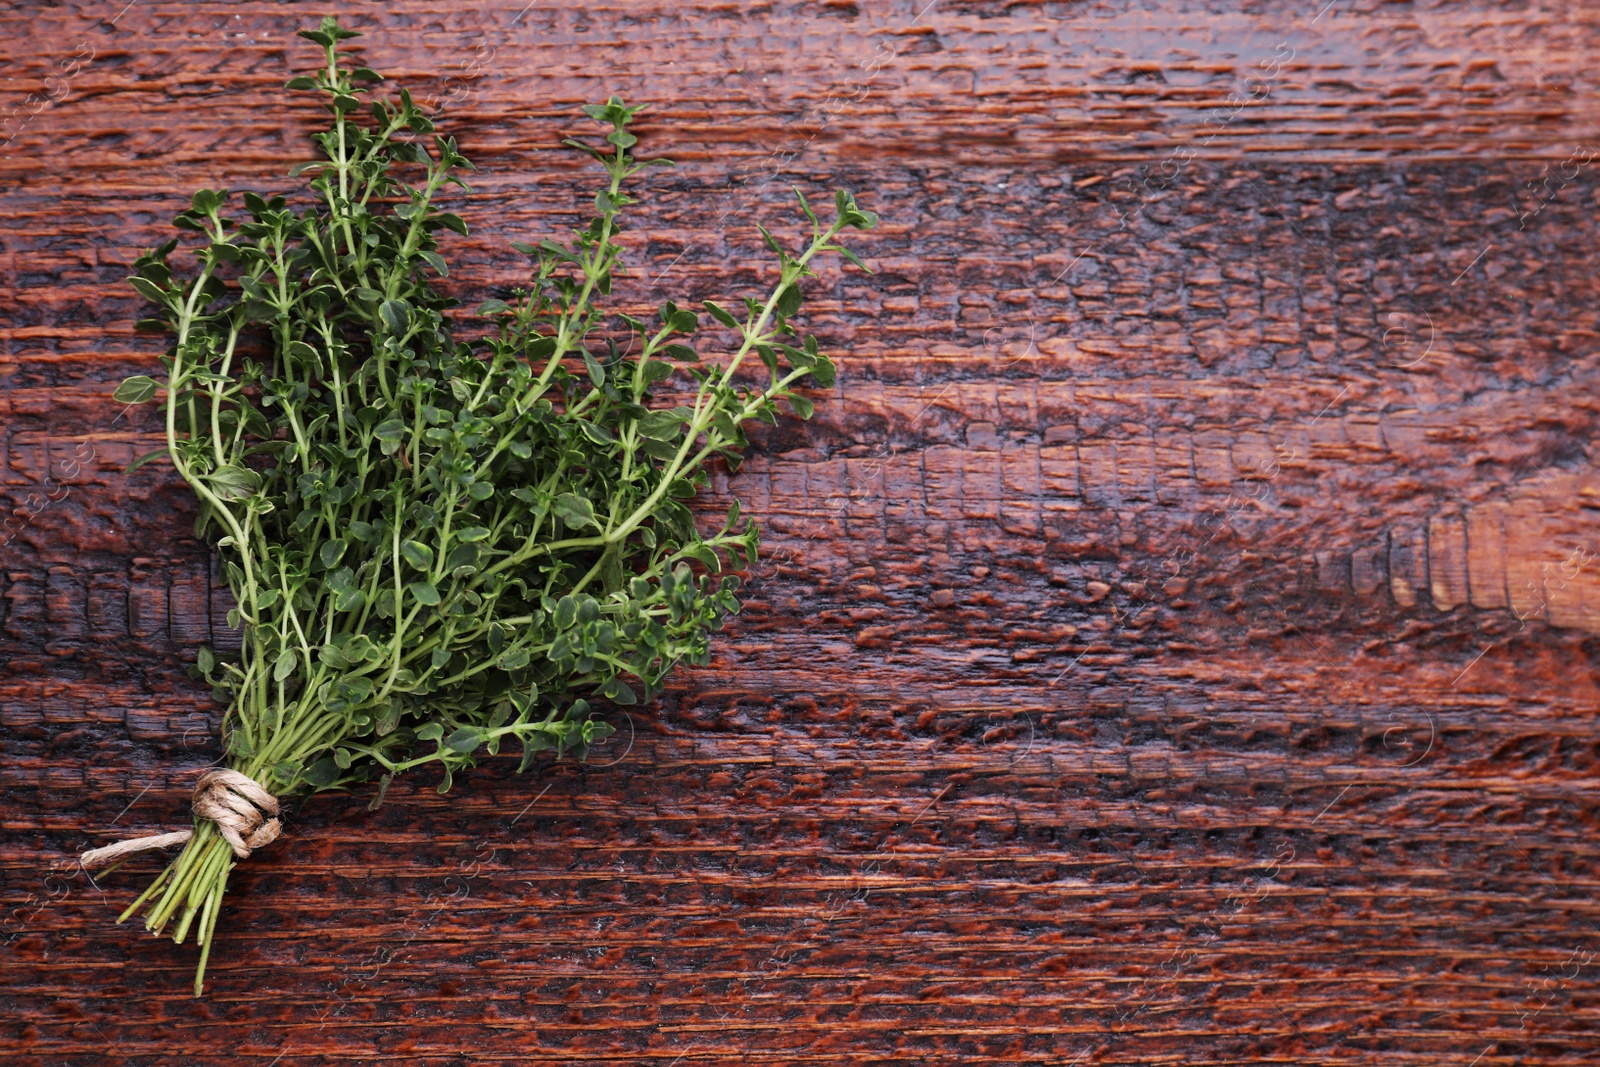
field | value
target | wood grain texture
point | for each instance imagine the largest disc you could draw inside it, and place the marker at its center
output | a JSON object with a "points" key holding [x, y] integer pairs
{"points": [[1176, 641]]}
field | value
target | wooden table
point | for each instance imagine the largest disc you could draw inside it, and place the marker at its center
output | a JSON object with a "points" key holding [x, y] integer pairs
{"points": [[1177, 636]]}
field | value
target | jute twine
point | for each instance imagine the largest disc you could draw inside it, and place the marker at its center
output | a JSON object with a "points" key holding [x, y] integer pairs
{"points": [[245, 814]]}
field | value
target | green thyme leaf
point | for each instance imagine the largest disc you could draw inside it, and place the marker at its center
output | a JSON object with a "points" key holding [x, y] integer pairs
{"points": [[138, 389]]}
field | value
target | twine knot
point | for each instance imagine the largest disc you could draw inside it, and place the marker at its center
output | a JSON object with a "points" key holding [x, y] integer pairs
{"points": [[245, 814]]}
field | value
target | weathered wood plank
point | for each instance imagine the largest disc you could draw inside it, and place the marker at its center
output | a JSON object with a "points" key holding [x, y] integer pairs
{"points": [[1175, 641]]}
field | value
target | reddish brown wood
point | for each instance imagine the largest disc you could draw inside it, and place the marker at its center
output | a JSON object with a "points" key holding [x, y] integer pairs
{"points": [[1177, 637]]}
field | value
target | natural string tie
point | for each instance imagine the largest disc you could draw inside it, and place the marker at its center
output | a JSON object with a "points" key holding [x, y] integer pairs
{"points": [[245, 814]]}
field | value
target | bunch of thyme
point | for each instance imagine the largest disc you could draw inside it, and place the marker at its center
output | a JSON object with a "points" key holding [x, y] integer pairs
{"points": [[439, 547]]}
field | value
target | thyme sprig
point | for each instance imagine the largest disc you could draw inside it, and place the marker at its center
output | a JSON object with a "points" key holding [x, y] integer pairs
{"points": [[439, 547]]}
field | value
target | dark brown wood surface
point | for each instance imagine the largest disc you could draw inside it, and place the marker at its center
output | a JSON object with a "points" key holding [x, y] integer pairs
{"points": [[1177, 637]]}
